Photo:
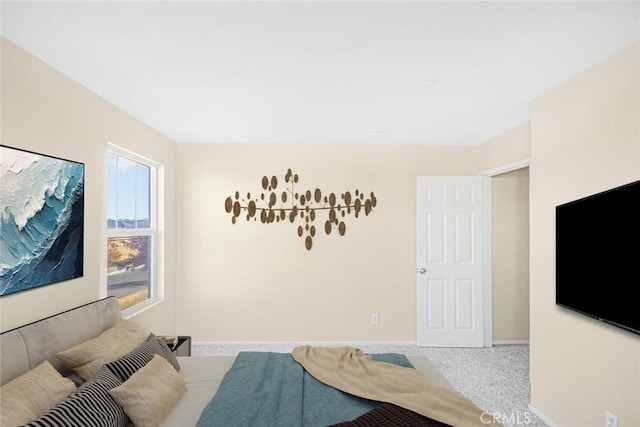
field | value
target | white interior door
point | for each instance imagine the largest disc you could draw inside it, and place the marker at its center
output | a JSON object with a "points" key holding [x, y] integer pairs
{"points": [[451, 270]]}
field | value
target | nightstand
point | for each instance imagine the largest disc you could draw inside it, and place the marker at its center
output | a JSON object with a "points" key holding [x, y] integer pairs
{"points": [[183, 346]]}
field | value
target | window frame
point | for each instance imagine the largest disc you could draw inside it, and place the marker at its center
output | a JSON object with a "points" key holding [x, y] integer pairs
{"points": [[151, 231]]}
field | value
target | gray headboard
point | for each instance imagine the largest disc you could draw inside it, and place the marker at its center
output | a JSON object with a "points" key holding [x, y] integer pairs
{"points": [[24, 348]]}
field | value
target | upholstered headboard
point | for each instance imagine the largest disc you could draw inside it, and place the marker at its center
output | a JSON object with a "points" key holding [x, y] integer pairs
{"points": [[24, 348]]}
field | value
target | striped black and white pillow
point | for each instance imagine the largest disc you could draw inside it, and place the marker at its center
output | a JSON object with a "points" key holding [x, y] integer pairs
{"points": [[89, 405], [131, 362]]}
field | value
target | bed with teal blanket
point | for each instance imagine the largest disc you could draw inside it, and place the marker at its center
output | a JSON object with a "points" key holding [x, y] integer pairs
{"points": [[310, 386], [264, 389], [319, 387]]}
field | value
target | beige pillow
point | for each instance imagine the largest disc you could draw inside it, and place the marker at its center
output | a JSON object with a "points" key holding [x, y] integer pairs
{"points": [[87, 358], [32, 394], [149, 395]]}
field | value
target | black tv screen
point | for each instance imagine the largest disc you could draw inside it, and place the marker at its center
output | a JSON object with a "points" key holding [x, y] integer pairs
{"points": [[598, 256]]}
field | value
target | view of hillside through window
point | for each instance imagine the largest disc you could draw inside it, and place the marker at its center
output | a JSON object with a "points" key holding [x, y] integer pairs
{"points": [[130, 230]]}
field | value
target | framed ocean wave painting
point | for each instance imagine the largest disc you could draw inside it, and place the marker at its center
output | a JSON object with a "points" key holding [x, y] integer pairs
{"points": [[41, 220]]}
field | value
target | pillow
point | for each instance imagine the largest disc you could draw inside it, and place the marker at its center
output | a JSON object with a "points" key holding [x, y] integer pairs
{"points": [[87, 358], [77, 380], [150, 394], [128, 364], [90, 405], [31, 394]]}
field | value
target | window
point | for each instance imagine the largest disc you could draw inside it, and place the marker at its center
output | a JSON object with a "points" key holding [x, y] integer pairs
{"points": [[131, 230]]}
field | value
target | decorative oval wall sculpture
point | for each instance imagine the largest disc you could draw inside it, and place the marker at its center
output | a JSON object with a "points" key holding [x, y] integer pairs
{"points": [[273, 205]]}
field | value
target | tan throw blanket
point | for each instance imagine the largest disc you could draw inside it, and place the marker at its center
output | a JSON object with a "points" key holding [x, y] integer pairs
{"points": [[348, 369]]}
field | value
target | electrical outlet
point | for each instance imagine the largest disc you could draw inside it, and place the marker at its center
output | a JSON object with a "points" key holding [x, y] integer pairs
{"points": [[374, 319], [612, 420]]}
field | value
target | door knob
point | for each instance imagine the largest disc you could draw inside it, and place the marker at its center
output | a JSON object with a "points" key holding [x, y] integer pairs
{"points": [[421, 271]]}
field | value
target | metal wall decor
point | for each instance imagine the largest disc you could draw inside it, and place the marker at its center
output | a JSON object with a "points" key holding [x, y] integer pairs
{"points": [[272, 205]]}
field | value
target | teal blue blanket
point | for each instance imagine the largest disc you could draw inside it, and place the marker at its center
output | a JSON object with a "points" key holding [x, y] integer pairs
{"points": [[264, 389]]}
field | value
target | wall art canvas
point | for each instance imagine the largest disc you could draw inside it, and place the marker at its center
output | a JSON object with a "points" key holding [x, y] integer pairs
{"points": [[41, 220]]}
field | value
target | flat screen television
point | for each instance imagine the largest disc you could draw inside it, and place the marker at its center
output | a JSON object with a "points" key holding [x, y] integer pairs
{"points": [[598, 256]]}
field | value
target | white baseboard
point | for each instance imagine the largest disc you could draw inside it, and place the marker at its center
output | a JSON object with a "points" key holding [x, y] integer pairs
{"points": [[511, 342], [265, 344], [280, 344], [540, 415]]}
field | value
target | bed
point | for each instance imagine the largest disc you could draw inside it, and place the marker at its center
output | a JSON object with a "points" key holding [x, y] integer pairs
{"points": [[129, 372]]}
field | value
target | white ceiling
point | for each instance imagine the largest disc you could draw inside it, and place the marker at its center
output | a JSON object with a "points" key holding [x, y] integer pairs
{"points": [[394, 72]]}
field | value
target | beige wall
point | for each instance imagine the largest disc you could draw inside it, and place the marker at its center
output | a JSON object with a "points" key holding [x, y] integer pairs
{"points": [[251, 281], [585, 139], [510, 255], [513, 145], [44, 111], [510, 230]]}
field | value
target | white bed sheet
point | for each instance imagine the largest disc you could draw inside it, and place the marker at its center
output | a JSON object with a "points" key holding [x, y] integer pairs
{"points": [[203, 376]]}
